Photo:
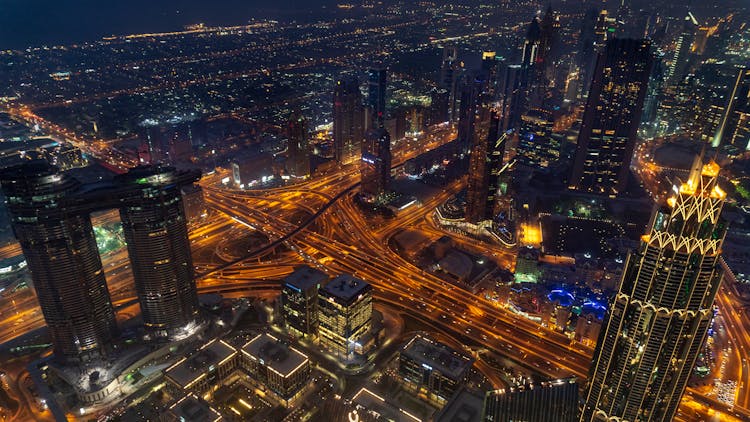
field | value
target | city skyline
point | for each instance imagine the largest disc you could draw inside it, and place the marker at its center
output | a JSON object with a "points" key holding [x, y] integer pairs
{"points": [[368, 210]]}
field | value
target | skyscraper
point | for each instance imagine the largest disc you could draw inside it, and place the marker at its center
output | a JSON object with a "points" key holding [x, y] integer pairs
{"points": [[611, 117], [734, 127], [450, 69], [376, 86], [375, 166], [63, 259], [682, 51], [536, 146], [550, 401], [348, 119], [658, 320], [299, 300], [345, 310], [484, 166], [510, 95], [548, 46], [587, 48], [298, 150], [155, 228], [50, 213], [439, 106], [474, 108]]}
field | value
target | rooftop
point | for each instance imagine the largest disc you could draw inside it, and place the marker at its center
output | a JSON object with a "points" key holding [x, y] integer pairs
{"points": [[305, 277], [466, 406], [346, 288], [191, 408], [269, 351], [191, 369], [437, 356]]}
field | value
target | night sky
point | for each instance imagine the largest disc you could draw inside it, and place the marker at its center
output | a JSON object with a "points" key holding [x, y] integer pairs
{"points": [[25, 23]]}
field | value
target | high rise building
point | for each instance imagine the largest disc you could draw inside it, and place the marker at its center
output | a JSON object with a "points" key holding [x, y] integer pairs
{"points": [[658, 320], [348, 119], [611, 117], [490, 63], [654, 90], [537, 148], [50, 214], [682, 51], [548, 47], [587, 48], [298, 149], [597, 28], [299, 300], [510, 96], [376, 89], [484, 169], [155, 229], [733, 129], [474, 108], [550, 401], [375, 166], [345, 311], [439, 106], [63, 259], [450, 70]]}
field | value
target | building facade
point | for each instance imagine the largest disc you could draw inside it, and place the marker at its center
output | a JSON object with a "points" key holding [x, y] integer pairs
{"points": [[611, 117], [376, 90], [299, 300], [298, 147], [550, 401], [50, 214], [345, 312], [63, 259], [658, 320], [375, 164], [432, 369], [348, 119], [155, 229], [484, 168]]}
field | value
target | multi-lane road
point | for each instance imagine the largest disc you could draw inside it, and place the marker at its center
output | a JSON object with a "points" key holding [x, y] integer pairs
{"points": [[318, 222]]}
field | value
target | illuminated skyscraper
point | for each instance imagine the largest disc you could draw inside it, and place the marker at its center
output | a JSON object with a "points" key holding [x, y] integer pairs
{"points": [[376, 86], [484, 167], [510, 96], [536, 146], [348, 119], [375, 166], [298, 149], [450, 70], [734, 127], [611, 118], [299, 300], [50, 213], [474, 109], [658, 320], [345, 313], [155, 228], [60, 249], [682, 50]]}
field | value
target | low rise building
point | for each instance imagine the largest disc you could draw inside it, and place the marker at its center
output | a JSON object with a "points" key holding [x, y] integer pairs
{"points": [[204, 370], [275, 365], [432, 369], [190, 408]]}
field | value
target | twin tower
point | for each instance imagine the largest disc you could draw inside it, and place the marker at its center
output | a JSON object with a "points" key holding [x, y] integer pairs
{"points": [[50, 213]]}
